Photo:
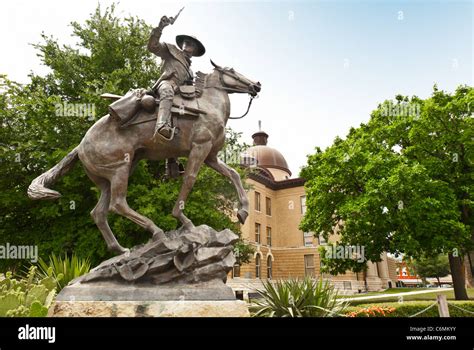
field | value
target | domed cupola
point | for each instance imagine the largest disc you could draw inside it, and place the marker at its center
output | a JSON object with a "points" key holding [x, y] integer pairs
{"points": [[266, 158]]}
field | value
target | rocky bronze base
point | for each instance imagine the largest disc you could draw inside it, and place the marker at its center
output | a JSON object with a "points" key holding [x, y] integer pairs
{"points": [[186, 308], [186, 256]]}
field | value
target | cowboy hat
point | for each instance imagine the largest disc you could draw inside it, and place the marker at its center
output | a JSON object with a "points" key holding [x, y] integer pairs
{"points": [[200, 50]]}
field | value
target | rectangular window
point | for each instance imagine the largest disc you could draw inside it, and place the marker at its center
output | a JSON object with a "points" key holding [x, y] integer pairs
{"points": [[269, 236], [321, 240], [303, 204], [309, 265], [257, 266], [257, 233], [236, 271], [268, 205], [308, 239], [257, 201], [347, 285]]}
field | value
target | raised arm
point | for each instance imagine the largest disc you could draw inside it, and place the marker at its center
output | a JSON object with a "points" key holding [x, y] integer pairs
{"points": [[154, 44]]}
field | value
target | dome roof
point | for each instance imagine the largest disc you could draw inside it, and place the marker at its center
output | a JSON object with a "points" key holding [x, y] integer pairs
{"points": [[264, 156], [268, 157]]}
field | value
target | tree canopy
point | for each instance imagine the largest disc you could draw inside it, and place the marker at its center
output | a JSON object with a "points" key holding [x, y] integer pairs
{"points": [[401, 183], [432, 266]]}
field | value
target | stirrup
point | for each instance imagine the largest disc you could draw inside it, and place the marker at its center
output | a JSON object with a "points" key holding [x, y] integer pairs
{"points": [[172, 132]]}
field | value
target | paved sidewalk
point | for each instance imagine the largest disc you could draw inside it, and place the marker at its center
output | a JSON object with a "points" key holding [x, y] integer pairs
{"points": [[388, 295]]}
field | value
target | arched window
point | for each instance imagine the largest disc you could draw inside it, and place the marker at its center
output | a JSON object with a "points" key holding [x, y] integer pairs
{"points": [[269, 267], [257, 266]]}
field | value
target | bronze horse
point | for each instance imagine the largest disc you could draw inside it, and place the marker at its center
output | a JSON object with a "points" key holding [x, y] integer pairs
{"points": [[110, 153]]}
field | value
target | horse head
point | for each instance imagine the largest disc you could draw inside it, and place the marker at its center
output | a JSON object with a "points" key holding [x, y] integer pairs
{"points": [[233, 81]]}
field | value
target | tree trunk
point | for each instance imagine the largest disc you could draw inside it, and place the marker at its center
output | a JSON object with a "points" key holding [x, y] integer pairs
{"points": [[365, 280], [468, 271], [457, 274], [439, 282]]}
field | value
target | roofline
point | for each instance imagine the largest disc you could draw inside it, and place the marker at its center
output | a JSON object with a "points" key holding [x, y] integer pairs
{"points": [[277, 185]]}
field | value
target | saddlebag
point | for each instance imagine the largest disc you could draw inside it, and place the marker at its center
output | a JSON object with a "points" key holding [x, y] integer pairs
{"points": [[125, 108]]}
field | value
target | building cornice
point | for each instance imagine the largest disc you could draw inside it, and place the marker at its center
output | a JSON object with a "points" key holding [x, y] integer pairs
{"points": [[277, 185]]}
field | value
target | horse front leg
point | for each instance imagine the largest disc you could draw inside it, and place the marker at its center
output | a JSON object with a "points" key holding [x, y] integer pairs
{"points": [[222, 168], [196, 158]]}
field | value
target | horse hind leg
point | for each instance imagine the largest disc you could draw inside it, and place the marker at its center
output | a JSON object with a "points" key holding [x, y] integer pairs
{"points": [[119, 205], [100, 212]]}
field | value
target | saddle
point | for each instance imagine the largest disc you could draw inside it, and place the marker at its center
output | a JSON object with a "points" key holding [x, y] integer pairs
{"points": [[126, 108], [186, 103], [187, 91]]}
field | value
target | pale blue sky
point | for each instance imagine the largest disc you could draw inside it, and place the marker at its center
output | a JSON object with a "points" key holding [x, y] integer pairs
{"points": [[323, 65]]}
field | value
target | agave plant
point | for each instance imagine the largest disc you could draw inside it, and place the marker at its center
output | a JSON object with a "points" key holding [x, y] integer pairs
{"points": [[70, 267], [298, 298]]}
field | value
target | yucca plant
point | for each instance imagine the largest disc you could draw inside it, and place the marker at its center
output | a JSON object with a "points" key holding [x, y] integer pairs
{"points": [[298, 298], [70, 267]]}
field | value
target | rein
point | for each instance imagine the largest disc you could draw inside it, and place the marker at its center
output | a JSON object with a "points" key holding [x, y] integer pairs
{"points": [[225, 88], [248, 109]]}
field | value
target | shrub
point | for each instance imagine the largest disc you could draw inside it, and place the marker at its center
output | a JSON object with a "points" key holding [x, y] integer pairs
{"points": [[298, 298], [371, 311]]}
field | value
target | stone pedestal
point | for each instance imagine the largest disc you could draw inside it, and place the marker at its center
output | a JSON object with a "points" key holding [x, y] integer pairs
{"points": [[118, 291], [116, 299], [188, 308], [182, 275]]}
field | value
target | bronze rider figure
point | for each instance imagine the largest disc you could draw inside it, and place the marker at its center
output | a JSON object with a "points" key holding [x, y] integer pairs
{"points": [[176, 71]]}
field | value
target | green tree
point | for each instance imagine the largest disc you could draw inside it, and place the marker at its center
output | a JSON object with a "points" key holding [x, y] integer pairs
{"points": [[432, 266], [110, 56], [402, 183]]}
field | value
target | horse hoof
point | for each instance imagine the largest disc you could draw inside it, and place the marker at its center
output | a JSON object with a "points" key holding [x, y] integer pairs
{"points": [[118, 249], [242, 215], [188, 226], [158, 236]]}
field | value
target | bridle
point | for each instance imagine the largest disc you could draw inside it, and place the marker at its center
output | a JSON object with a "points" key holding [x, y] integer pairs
{"points": [[231, 74]]}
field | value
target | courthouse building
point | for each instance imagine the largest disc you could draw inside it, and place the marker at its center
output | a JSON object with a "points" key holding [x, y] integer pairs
{"points": [[282, 250]]}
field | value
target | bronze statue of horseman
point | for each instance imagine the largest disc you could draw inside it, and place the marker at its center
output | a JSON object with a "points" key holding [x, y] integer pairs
{"points": [[190, 122]]}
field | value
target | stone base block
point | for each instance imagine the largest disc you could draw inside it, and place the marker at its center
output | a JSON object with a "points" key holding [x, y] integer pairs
{"points": [[118, 291], [187, 308]]}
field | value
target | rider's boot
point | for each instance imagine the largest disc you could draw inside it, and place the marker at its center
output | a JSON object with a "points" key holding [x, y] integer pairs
{"points": [[163, 126]]}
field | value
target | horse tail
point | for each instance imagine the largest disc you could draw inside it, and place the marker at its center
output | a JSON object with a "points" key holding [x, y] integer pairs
{"points": [[38, 188]]}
